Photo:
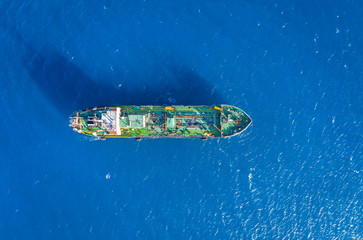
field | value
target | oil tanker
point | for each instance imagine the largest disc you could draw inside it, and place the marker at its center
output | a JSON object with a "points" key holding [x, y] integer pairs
{"points": [[202, 121]]}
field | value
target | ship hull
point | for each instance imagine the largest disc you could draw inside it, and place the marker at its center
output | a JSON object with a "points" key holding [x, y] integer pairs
{"points": [[179, 121]]}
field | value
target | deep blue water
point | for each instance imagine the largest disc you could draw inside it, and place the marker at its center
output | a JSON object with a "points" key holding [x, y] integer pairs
{"points": [[294, 66]]}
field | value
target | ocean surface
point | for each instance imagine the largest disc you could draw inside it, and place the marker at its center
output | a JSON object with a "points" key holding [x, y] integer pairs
{"points": [[296, 67]]}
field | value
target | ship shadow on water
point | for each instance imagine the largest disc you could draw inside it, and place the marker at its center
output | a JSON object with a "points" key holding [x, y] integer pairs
{"points": [[69, 88]]}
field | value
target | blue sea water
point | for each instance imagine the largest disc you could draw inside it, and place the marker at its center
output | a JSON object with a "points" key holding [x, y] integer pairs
{"points": [[294, 66]]}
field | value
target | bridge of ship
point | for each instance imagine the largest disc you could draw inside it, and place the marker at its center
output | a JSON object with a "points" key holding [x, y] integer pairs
{"points": [[134, 121]]}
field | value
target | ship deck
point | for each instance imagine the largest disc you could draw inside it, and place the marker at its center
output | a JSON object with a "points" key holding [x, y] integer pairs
{"points": [[151, 121]]}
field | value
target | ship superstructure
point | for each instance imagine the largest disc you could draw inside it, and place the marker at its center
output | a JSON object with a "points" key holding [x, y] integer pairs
{"points": [[160, 121]]}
